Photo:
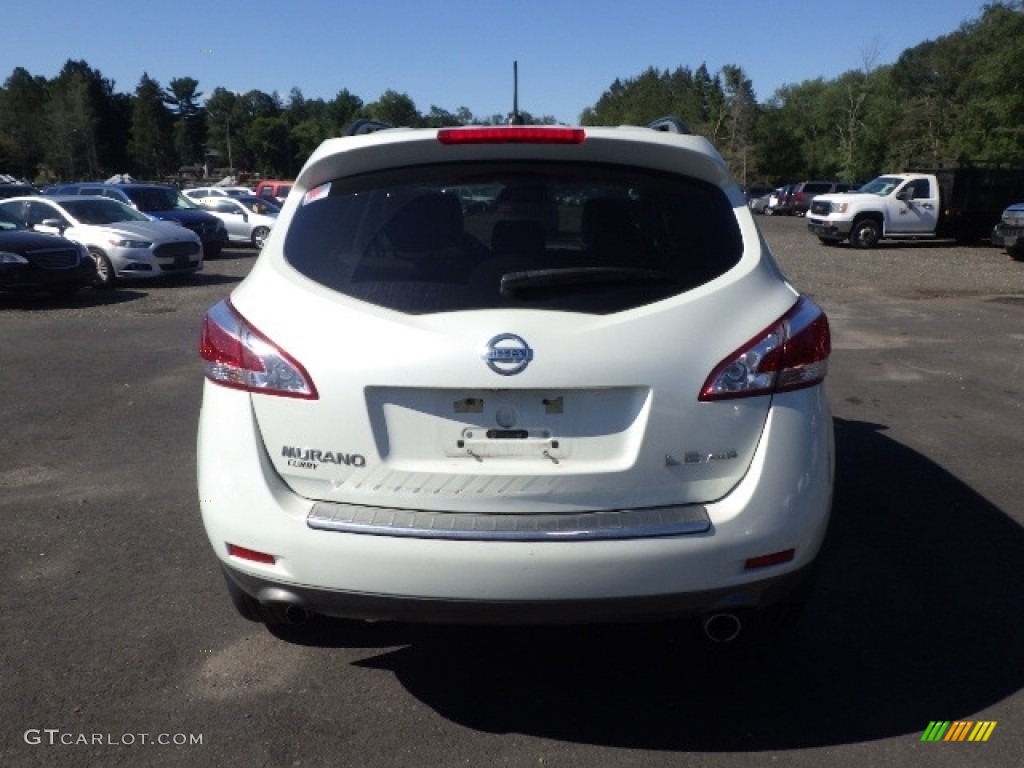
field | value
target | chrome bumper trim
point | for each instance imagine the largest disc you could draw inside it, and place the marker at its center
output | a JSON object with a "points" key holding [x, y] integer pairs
{"points": [[572, 526]]}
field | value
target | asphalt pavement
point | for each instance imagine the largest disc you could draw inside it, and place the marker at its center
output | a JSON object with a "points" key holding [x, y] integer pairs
{"points": [[118, 646]]}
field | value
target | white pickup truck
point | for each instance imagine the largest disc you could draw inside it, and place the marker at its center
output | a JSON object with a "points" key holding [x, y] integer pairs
{"points": [[959, 203]]}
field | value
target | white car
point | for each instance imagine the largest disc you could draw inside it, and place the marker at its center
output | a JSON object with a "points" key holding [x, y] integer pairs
{"points": [[247, 219], [415, 412], [200, 192], [124, 243]]}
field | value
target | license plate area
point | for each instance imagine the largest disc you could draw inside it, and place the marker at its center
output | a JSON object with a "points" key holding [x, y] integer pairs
{"points": [[484, 443], [415, 428]]}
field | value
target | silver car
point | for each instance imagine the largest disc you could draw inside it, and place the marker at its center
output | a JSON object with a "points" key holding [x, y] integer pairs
{"points": [[247, 219], [124, 243], [201, 192]]}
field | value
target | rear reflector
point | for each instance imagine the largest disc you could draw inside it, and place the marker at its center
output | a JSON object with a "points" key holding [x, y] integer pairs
{"points": [[776, 558], [251, 554], [511, 134]]}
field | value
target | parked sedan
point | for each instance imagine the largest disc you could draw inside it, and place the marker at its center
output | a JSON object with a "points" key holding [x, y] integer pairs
{"points": [[247, 219], [30, 261], [760, 204], [158, 201], [123, 242]]}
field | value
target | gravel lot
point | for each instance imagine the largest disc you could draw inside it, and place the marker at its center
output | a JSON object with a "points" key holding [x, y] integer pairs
{"points": [[901, 270]]}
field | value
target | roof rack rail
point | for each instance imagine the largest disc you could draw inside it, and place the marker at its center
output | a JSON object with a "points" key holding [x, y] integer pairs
{"points": [[669, 124], [365, 125]]}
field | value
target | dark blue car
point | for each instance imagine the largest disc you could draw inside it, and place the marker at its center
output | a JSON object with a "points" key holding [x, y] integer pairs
{"points": [[160, 201]]}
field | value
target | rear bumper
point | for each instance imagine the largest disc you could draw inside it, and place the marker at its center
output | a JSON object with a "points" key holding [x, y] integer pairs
{"points": [[382, 607], [782, 503]]}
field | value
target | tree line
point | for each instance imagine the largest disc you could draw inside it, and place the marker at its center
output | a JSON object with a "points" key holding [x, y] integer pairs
{"points": [[956, 99]]}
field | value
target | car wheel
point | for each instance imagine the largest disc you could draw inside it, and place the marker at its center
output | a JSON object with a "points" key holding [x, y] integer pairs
{"points": [[212, 251], [768, 212], [259, 236], [104, 269], [865, 233], [1017, 254]]}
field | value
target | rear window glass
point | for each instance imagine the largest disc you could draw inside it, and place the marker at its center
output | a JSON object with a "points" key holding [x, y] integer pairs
{"points": [[570, 237]]}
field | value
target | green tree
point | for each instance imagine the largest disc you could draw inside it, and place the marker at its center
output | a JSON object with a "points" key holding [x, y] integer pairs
{"points": [[21, 99], [344, 109], [989, 86], [395, 109], [740, 110], [189, 129], [150, 145], [71, 120], [696, 97], [226, 121], [99, 119], [266, 139], [780, 159]]}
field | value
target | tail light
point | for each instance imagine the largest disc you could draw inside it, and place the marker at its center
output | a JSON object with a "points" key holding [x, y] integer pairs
{"points": [[237, 355], [790, 354]]}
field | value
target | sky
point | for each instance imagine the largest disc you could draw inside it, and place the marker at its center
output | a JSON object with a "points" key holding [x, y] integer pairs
{"points": [[459, 53]]}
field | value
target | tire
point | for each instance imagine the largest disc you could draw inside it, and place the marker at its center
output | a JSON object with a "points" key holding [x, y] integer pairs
{"points": [[259, 237], [769, 212], [865, 233], [1017, 254], [105, 277], [212, 251]]}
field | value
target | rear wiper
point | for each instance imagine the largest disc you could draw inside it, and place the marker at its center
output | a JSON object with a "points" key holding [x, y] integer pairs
{"points": [[515, 282]]}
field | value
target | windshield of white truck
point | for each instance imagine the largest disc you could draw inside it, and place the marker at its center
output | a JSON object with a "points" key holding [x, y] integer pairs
{"points": [[882, 186]]}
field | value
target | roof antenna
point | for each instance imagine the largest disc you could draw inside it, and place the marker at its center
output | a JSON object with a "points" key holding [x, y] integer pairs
{"points": [[515, 118]]}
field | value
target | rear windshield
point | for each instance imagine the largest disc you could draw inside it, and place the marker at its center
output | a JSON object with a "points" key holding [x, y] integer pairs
{"points": [[569, 237]]}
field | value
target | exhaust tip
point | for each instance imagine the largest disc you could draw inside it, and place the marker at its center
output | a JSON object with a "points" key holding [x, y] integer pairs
{"points": [[296, 614], [722, 627], [283, 606]]}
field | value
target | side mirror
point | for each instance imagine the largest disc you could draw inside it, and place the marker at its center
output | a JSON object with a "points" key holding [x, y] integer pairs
{"points": [[906, 195], [58, 224]]}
